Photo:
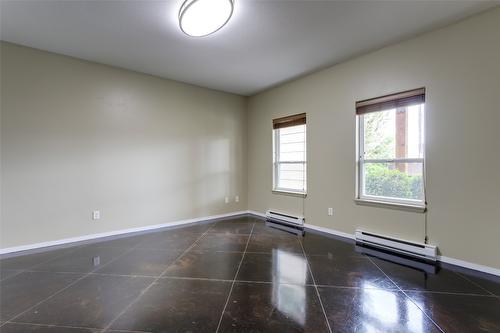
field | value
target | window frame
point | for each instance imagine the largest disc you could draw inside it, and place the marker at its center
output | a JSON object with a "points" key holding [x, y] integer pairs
{"points": [[277, 163], [410, 204]]}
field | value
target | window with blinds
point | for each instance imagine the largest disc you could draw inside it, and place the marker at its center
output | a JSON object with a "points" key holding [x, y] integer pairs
{"points": [[289, 155], [391, 148]]}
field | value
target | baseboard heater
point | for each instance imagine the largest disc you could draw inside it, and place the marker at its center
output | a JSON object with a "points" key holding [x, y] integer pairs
{"points": [[412, 249], [418, 264], [290, 223]]}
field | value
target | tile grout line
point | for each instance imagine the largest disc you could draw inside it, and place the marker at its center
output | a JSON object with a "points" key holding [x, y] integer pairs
{"points": [[447, 293], [108, 326], [407, 296], [29, 269], [239, 281], [315, 285], [261, 282], [69, 326], [356, 256], [68, 286], [409, 290], [100, 274], [234, 279], [16, 274], [247, 252], [53, 325], [124, 331], [57, 257], [474, 283]]}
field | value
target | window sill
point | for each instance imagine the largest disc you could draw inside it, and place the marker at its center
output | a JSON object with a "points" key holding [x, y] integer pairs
{"points": [[290, 193], [391, 205]]}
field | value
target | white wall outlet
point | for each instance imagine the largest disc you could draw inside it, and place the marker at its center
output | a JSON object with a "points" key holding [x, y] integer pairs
{"points": [[237, 198], [330, 211], [96, 215], [226, 199]]}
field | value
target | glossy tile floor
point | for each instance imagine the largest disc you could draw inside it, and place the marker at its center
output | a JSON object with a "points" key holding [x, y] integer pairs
{"points": [[236, 275]]}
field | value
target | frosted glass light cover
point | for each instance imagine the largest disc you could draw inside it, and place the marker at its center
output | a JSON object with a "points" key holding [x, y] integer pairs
{"points": [[199, 18]]}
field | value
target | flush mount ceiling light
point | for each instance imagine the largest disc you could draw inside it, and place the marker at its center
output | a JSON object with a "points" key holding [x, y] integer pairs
{"points": [[200, 18]]}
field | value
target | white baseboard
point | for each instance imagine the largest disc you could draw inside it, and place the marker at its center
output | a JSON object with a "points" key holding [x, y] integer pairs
{"points": [[470, 265], [253, 212], [310, 226], [329, 231], [448, 260], [115, 233]]}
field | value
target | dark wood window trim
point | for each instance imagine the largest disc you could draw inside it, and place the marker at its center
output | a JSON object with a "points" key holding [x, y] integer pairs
{"points": [[298, 119], [393, 101]]}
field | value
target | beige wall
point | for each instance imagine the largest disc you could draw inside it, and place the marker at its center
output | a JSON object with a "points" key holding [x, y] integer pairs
{"points": [[78, 136], [460, 67]]}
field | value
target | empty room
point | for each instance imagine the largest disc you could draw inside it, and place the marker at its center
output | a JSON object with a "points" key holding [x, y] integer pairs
{"points": [[184, 166]]}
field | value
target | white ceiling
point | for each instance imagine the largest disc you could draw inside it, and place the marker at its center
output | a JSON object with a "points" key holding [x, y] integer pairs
{"points": [[264, 44]]}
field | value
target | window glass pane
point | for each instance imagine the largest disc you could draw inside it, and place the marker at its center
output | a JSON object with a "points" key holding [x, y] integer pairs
{"points": [[393, 180], [292, 176], [292, 130], [379, 135], [292, 144], [395, 133], [415, 131], [290, 154]]}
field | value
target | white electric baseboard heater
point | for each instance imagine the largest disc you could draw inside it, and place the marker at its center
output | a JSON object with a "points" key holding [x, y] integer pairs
{"points": [[286, 222], [412, 249]]}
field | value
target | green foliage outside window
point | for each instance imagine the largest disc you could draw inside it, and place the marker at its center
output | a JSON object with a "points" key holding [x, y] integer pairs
{"points": [[383, 181]]}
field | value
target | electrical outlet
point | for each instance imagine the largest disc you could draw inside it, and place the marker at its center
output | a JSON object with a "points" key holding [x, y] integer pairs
{"points": [[226, 200], [96, 215], [237, 198], [330, 211]]}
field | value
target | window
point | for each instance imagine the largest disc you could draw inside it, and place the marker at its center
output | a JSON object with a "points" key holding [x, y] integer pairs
{"points": [[391, 149], [289, 155]]}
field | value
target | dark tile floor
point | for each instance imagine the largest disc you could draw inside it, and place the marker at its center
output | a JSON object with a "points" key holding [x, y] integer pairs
{"points": [[236, 275]]}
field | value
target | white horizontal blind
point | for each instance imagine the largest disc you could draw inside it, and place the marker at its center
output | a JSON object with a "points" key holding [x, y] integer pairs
{"points": [[290, 159]]}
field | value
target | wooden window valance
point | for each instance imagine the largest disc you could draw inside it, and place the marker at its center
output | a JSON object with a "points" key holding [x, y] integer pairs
{"points": [[393, 101], [298, 119]]}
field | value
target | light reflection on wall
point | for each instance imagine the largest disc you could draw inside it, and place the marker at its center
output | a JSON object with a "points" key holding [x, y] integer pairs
{"points": [[289, 278], [215, 170]]}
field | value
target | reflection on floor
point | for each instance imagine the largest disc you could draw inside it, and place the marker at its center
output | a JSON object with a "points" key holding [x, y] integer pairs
{"points": [[237, 275]]}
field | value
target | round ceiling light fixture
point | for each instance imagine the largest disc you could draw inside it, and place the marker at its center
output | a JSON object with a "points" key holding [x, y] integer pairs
{"points": [[198, 18]]}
